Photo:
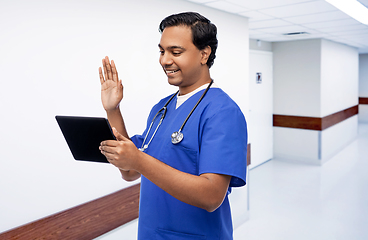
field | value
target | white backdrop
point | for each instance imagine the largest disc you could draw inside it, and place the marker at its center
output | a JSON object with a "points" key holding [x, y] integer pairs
{"points": [[50, 54]]}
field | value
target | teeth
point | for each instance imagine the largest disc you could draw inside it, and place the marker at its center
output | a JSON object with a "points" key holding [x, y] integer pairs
{"points": [[172, 71]]}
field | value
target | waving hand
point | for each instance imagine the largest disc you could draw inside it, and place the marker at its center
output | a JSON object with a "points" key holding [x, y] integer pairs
{"points": [[111, 86]]}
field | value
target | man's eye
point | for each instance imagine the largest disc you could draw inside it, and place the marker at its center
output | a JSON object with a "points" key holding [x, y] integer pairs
{"points": [[176, 53], [162, 52]]}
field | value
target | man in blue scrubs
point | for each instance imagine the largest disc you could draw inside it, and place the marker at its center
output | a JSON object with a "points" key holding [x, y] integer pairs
{"points": [[184, 186]]}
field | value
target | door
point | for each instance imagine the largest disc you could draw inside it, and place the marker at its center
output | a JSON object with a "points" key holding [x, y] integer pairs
{"points": [[261, 107]]}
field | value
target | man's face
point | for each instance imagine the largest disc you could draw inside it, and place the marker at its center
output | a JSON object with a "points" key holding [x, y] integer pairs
{"points": [[181, 60]]}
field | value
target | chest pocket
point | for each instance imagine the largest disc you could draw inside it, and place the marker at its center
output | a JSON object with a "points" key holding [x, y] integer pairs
{"points": [[162, 234], [181, 158]]}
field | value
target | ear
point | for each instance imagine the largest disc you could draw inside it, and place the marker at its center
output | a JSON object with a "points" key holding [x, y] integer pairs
{"points": [[205, 54]]}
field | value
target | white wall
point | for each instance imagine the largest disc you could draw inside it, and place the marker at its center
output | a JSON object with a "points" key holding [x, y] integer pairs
{"points": [[363, 113], [363, 75], [297, 145], [337, 137], [49, 65], [339, 77], [313, 147], [314, 78], [259, 45], [363, 86], [297, 77], [339, 91]]}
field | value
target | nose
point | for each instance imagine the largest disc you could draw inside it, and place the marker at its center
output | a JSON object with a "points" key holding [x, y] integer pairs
{"points": [[165, 59]]}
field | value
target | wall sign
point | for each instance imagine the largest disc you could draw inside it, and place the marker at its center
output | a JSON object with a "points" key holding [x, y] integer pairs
{"points": [[258, 78]]}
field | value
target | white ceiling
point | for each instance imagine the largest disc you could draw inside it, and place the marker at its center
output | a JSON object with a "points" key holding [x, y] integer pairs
{"points": [[270, 20]]}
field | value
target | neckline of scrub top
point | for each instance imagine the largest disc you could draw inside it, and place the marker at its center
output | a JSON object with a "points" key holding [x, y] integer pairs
{"points": [[182, 98]]}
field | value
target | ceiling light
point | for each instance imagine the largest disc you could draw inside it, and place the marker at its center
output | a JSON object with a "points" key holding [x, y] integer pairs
{"points": [[353, 8], [295, 34]]}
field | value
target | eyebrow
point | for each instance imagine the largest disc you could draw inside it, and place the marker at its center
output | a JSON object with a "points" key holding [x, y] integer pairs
{"points": [[172, 47]]}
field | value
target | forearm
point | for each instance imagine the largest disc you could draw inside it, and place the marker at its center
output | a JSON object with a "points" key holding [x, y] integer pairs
{"points": [[116, 120], [130, 175], [206, 191]]}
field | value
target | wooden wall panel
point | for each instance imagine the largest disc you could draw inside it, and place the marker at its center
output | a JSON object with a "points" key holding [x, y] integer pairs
{"points": [[313, 123], [310, 123], [86, 221], [363, 100], [248, 155], [335, 118]]}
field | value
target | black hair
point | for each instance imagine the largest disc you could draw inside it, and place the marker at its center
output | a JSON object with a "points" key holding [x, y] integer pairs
{"points": [[203, 31]]}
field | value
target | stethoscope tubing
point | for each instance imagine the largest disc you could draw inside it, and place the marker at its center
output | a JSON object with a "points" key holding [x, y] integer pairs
{"points": [[177, 134], [195, 106], [163, 110]]}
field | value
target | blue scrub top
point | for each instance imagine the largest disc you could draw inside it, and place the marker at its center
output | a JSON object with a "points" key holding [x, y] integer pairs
{"points": [[215, 141]]}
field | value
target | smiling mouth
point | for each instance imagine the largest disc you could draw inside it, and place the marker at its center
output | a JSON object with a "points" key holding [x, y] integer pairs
{"points": [[170, 72]]}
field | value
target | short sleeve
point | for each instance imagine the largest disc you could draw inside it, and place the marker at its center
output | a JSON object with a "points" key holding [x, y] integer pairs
{"points": [[223, 147], [137, 140]]}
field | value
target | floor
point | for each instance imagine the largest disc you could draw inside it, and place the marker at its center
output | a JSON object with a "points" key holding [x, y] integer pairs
{"points": [[296, 201]]}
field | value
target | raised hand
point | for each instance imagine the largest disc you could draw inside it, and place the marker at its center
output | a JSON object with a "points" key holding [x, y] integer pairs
{"points": [[111, 86]]}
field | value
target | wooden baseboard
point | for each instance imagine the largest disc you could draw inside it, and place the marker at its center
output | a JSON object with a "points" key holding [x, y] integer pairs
{"points": [[313, 123]]}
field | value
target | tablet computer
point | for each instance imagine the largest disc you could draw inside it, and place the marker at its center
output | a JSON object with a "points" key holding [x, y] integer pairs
{"points": [[84, 135]]}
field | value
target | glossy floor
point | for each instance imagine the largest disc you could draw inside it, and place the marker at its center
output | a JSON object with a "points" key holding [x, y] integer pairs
{"points": [[295, 201]]}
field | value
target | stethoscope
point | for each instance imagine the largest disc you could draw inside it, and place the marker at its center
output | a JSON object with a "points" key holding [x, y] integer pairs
{"points": [[176, 137]]}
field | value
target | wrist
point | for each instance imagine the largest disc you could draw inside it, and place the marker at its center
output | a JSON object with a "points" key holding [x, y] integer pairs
{"points": [[113, 110], [140, 157]]}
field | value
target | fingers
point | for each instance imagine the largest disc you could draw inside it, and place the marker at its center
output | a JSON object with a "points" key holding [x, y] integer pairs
{"points": [[109, 143], [104, 65], [108, 73], [108, 152], [109, 156], [105, 150], [114, 72], [102, 80]]}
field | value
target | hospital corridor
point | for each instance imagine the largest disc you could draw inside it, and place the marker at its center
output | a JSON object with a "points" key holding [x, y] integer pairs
{"points": [[297, 201]]}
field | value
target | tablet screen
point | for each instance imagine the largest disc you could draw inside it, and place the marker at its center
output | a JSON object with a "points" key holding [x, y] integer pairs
{"points": [[84, 135]]}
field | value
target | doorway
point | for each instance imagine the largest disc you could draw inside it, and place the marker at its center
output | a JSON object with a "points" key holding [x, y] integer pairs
{"points": [[260, 124]]}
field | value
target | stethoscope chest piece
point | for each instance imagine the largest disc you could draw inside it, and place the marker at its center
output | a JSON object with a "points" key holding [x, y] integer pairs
{"points": [[176, 137]]}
